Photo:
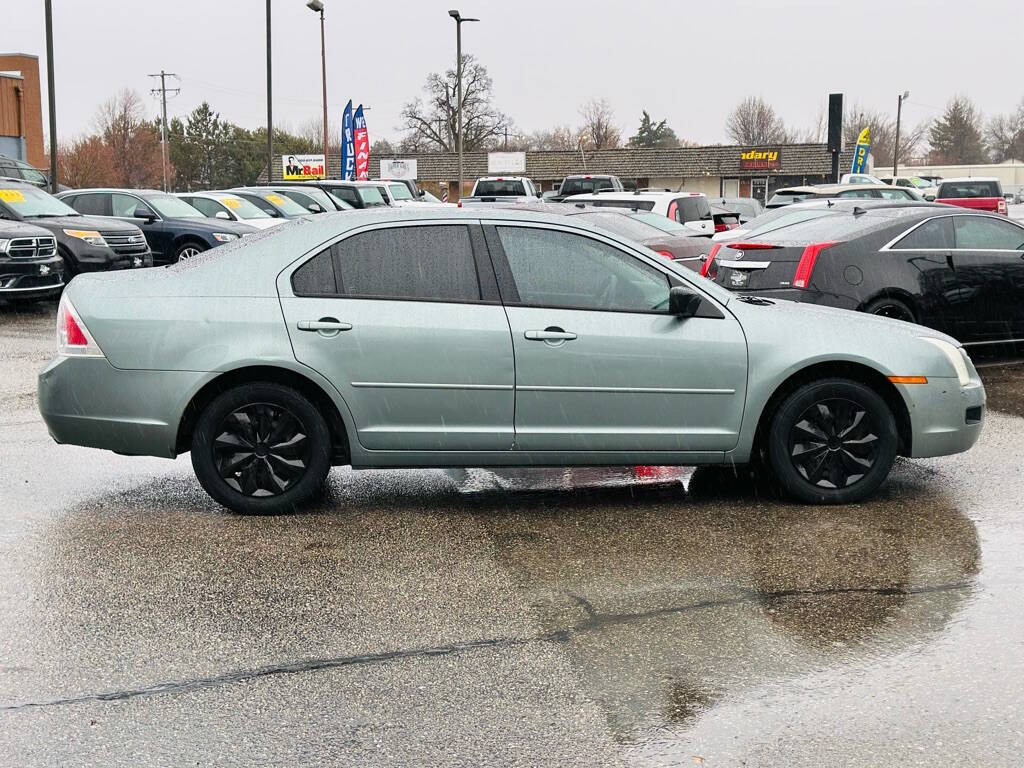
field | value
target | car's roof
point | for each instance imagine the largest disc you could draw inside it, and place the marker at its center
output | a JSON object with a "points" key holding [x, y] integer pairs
{"points": [[10, 181], [215, 193], [964, 179], [835, 188], [636, 195], [126, 190], [590, 176], [804, 190], [502, 178]]}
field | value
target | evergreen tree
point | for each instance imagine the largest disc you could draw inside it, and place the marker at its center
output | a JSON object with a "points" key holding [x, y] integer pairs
{"points": [[651, 134], [956, 136]]}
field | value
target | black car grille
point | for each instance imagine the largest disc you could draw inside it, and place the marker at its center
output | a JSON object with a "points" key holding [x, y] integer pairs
{"points": [[31, 247], [125, 244]]}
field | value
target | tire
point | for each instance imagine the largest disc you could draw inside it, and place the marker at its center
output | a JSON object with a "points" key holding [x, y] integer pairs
{"points": [[893, 308], [818, 461], [272, 478], [188, 249]]}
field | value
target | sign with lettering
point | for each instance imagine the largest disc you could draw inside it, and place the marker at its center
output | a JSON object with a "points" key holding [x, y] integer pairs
{"points": [[760, 159]]}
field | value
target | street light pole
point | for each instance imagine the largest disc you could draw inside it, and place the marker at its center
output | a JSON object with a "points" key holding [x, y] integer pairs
{"points": [[270, 111], [458, 76], [896, 146], [317, 5], [50, 95]]}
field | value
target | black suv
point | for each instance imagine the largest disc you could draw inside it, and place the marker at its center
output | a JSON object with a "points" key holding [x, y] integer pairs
{"points": [[86, 244], [19, 170], [30, 267], [173, 228], [586, 184]]}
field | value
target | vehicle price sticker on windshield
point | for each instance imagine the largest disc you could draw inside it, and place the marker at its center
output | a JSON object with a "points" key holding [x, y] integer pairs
{"points": [[12, 195], [230, 202], [275, 199]]}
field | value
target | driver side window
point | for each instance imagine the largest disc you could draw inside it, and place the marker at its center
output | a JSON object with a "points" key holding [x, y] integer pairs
{"points": [[125, 205], [560, 269]]}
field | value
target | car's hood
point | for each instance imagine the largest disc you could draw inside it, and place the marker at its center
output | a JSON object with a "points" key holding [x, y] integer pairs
{"points": [[202, 224], [99, 223]]}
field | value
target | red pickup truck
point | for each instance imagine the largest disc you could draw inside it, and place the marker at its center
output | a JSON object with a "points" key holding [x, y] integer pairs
{"points": [[981, 194]]}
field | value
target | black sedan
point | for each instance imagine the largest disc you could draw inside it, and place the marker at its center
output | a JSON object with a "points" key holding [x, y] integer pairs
{"points": [[957, 271], [173, 228]]}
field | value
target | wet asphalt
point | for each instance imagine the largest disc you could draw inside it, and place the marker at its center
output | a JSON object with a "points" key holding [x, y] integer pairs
{"points": [[647, 617]]}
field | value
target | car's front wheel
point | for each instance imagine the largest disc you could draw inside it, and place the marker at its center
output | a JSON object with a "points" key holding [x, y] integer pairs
{"points": [[188, 249], [832, 441], [261, 449]]}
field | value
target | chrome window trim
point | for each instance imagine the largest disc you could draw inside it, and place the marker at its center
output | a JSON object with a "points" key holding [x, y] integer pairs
{"points": [[889, 246]]}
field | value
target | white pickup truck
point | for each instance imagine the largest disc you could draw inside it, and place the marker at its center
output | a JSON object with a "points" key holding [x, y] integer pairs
{"points": [[502, 189]]}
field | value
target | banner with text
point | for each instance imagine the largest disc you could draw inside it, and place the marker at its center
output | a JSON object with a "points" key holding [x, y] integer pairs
{"points": [[860, 153], [348, 155], [362, 143]]}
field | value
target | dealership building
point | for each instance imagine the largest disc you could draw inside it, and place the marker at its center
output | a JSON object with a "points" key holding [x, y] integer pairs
{"points": [[730, 171], [21, 115]]}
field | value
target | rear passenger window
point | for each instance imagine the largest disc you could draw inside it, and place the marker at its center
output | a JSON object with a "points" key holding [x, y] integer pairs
{"points": [[984, 233], [432, 263], [90, 205], [316, 276], [934, 235]]}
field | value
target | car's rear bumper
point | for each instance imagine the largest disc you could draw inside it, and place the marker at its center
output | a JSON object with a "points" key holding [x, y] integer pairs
{"points": [[87, 401], [945, 417]]}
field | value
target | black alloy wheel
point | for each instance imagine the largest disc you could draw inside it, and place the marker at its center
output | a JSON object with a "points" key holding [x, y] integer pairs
{"points": [[261, 449], [832, 442], [891, 308]]}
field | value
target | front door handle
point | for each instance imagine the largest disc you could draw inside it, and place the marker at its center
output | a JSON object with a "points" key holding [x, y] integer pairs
{"points": [[550, 334], [328, 324]]}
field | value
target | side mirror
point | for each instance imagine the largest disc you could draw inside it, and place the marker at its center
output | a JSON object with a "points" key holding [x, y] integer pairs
{"points": [[683, 303], [142, 212], [222, 215], [930, 198], [315, 208]]}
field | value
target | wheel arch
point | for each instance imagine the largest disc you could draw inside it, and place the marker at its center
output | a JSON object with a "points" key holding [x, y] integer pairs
{"points": [[189, 237], [341, 453], [854, 371], [899, 294]]}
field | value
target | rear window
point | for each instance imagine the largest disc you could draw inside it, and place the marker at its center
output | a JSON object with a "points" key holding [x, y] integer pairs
{"points": [[633, 205], [833, 228], [622, 225], [500, 188], [584, 186], [954, 189], [431, 263], [785, 198]]}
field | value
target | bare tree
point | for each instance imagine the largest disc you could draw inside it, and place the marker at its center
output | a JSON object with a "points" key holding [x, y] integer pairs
{"points": [[755, 122], [433, 124], [86, 162], [1004, 136], [599, 127], [133, 140], [313, 131], [882, 129], [560, 137]]}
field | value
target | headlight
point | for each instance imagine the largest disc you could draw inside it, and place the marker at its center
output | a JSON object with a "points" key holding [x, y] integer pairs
{"points": [[223, 237], [91, 236], [3, 245], [956, 357]]}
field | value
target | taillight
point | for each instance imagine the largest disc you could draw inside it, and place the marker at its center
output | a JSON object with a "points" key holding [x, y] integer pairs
{"points": [[667, 254], [721, 228], [1001, 206], [806, 266], [73, 338], [705, 268], [752, 246]]}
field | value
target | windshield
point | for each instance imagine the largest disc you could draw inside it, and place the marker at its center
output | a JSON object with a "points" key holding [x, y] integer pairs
{"points": [[399, 192], [623, 225], [773, 220], [919, 182], [583, 186], [173, 207], [664, 223], [308, 195], [784, 197], [241, 207], [286, 205], [500, 187], [371, 196], [30, 202], [429, 198]]}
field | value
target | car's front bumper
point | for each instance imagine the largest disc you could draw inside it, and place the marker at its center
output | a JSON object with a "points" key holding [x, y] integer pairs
{"points": [[945, 417], [87, 401], [31, 278]]}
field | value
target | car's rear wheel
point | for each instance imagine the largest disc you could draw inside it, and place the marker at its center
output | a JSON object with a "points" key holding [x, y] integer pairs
{"points": [[893, 308], [261, 449], [832, 442], [188, 249]]}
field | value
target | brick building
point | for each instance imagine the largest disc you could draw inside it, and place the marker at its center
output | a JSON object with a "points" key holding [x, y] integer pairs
{"points": [[21, 110]]}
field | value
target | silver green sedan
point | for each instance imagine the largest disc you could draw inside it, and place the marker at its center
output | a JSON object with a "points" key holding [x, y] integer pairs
{"points": [[445, 338]]}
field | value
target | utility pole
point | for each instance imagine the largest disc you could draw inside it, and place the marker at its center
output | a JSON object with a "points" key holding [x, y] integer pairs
{"points": [[50, 95], [162, 90], [459, 19], [896, 148], [270, 111]]}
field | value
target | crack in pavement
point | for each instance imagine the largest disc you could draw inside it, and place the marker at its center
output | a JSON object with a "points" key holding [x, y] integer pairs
{"points": [[594, 620]]}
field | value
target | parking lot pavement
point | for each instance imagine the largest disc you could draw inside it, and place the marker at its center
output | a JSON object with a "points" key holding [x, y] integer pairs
{"points": [[631, 616]]}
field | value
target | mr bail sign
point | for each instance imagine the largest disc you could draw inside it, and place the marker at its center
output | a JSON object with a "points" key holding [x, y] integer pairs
{"points": [[760, 159], [303, 167]]}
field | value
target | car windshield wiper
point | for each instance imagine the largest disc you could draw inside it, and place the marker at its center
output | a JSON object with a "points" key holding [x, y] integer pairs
{"points": [[49, 215]]}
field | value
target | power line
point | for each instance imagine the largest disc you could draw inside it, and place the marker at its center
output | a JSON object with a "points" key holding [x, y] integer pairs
{"points": [[162, 90]]}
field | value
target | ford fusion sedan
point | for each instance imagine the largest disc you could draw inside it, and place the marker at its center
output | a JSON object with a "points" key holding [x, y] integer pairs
{"points": [[173, 228], [957, 271], [84, 243], [428, 338]]}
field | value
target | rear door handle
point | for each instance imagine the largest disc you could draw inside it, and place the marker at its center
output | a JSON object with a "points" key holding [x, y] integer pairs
{"points": [[550, 334], [324, 324]]}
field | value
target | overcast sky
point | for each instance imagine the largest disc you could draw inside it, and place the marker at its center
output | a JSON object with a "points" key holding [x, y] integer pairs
{"points": [[688, 61]]}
